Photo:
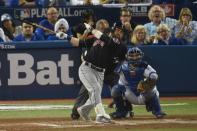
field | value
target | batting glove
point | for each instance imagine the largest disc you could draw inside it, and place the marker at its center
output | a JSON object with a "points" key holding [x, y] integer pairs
{"points": [[88, 27]]}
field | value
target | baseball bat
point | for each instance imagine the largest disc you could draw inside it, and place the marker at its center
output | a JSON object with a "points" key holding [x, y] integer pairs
{"points": [[37, 25]]}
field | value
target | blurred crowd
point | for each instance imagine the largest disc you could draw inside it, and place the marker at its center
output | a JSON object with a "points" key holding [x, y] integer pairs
{"points": [[46, 3], [160, 30]]}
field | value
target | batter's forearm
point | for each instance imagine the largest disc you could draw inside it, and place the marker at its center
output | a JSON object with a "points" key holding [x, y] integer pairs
{"points": [[74, 41]]}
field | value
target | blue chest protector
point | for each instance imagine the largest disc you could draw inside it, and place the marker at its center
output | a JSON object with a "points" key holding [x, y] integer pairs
{"points": [[133, 74]]}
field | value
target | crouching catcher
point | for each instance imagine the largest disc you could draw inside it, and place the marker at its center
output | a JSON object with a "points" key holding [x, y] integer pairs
{"points": [[137, 84]]}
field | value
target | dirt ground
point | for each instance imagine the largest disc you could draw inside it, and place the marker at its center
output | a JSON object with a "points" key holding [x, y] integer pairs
{"points": [[66, 124], [170, 122]]}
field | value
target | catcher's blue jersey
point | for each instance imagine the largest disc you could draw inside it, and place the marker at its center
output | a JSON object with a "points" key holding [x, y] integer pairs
{"points": [[130, 76]]}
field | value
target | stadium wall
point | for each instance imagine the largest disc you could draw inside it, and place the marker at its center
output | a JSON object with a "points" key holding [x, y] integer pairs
{"points": [[47, 70]]}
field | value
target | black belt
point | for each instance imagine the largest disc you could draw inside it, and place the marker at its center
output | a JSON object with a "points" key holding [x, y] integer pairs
{"points": [[94, 67]]}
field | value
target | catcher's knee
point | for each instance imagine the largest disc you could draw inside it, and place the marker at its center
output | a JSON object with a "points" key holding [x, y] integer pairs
{"points": [[154, 92], [117, 91], [132, 98]]}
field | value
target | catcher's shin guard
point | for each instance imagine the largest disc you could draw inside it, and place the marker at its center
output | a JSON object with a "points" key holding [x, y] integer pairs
{"points": [[154, 105], [122, 106], [128, 105], [128, 108], [119, 103], [123, 109]]}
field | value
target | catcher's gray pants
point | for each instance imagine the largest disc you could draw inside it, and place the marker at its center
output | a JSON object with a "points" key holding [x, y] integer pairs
{"points": [[93, 82], [140, 100]]}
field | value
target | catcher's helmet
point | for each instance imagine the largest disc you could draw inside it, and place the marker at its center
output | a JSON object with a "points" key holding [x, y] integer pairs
{"points": [[134, 55]]}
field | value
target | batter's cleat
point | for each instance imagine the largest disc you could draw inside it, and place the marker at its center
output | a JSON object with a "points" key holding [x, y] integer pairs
{"points": [[83, 115], [75, 116], [159, 115], [103, 119]]}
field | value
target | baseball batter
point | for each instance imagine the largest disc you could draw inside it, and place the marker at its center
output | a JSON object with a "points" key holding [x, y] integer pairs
{"points": [[91, 71]]}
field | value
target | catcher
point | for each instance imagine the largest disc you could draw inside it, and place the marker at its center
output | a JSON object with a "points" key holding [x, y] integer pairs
{"points": [[137, 84]]}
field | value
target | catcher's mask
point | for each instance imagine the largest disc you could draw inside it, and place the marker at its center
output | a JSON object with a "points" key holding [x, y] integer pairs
{"points": [[134, 56]]}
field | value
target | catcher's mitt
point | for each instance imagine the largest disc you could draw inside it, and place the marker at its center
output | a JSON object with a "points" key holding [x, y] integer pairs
{"points": [[146, 85]]}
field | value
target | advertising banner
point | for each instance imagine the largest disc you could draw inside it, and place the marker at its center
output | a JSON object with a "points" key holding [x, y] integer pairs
{"points": [[49, 72]]}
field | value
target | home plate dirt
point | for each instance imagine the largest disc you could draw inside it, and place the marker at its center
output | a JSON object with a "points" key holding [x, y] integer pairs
{"points": [[66, 123]]}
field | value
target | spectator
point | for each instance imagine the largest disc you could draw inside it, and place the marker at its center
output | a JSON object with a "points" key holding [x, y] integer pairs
{"points": [[9, 27], [112, 1], [47, 3], [27, 2], [27, 34], [104, 1], [60, 26], [185, 28], [164, 37], [52, 17], [139, 36], [13, 3], [177, 2], [166, 1], [138, 1], [84, 2], [2, 36], [23, 3], [157, 16], [126, 24], [88, 2], [194, 42]]}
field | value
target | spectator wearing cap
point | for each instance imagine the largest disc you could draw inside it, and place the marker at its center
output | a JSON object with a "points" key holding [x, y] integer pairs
{"points": [[52, 17], [9, 27], [126, 24], [185, 28], [60, 26], [27, 34]]}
